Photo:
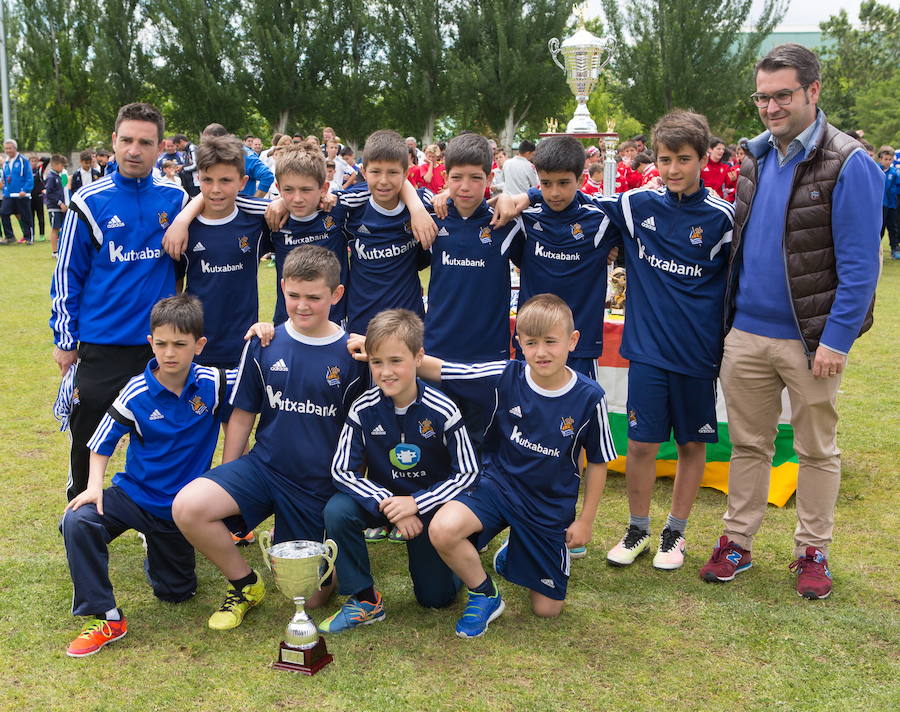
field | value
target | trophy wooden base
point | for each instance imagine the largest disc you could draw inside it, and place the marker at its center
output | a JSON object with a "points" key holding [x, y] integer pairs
{"points": [[306, 662]]}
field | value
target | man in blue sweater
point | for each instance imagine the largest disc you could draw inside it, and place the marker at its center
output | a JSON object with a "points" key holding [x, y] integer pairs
{"points": [[110, 273], [801, 286]]}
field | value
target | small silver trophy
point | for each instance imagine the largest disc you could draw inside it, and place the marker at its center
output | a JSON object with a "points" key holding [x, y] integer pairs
{"points": [[300, 567], [585, 57]]}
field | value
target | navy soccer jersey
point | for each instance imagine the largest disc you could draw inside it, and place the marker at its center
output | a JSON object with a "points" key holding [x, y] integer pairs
{"points": [[322, 229], [302, 388], [172, 437], [564, 253], [531, 447], [385, 259], [676, 254], [221, 264], [468, 294], [422, 451]]}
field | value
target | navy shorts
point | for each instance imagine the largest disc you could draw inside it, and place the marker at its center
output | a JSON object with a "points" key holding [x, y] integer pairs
{"points": [[661, 401], [536, 559], [56, 219], [260, 493]]}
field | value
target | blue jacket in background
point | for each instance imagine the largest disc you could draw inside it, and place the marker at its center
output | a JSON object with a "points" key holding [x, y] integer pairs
{"points": [[261, 177], [17, 176]]}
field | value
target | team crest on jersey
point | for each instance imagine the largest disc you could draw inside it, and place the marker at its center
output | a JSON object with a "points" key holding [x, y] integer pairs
{"points": [[567, 427], [485, 235], [333, 375], [407, 227], [577, 232], [404, 456], [244, 243], [632, 419], [163, 218], [76, 397], [696, 236], [198, 406], [426, 429], [328, 221]]}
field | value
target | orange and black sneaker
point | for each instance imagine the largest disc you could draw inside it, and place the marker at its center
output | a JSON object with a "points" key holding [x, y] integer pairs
{"points": [[245, 540], [96, 634]]}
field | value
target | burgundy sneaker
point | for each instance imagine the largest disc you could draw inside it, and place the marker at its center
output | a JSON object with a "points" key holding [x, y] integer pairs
{"points": [[726, 562], [813, 576]]}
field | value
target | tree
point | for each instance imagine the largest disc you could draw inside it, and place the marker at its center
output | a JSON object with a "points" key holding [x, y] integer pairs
{"points": [[877, 111], [690, 54], [506, 74], [853, 57]]}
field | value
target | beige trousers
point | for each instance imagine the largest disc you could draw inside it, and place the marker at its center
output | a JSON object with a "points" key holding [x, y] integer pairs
{"points": [[755, 369]]}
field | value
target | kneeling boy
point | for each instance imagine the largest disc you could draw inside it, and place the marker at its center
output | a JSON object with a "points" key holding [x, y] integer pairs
{"points": [[171, 412], [419, 457], [301, 384], [544, 413]]}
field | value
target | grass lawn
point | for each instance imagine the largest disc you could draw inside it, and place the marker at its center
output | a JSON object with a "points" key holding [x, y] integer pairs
{"points": [[632, 639]]}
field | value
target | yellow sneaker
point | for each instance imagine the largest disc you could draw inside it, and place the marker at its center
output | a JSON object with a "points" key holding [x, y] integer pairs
{"points": [[236, 605]]}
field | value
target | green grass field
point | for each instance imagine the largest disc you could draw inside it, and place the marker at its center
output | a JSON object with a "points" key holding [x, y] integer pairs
{"points": [[632, 639]]}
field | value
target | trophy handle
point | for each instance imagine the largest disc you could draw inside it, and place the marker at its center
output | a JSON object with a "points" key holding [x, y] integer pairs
{"points": [[265, 542], [330, 555], [553, 44], [610, 49]]}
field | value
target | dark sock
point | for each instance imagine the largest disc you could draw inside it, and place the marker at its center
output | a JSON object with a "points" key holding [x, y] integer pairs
{"points": [[248, 580], [367, 595], [487, 588]]}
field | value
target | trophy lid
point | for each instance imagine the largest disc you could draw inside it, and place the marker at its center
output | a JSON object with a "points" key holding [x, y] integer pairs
{"points": [[583, 38], [297, 549]]}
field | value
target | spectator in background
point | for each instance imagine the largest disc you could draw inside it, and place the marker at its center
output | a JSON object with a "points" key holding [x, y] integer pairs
{"points": [[37, 196], [86, 173], [260, 177], [344, 171], [497, 168], [17, 181], [431, 174], [170, 153], [190, 178], [640, 142], [891, 202], [414, 145], [101, 158], [518, 172], [718, 175]]}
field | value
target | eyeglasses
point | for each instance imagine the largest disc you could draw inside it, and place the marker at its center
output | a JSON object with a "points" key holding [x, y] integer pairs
{"points": [[782, 98]]}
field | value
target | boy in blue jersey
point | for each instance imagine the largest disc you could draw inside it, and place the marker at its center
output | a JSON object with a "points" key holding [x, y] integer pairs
{"points": [[171, 413], [301, 384], [223, 251], [413, 442], [544, 414], [300, 170], [677, 246]]}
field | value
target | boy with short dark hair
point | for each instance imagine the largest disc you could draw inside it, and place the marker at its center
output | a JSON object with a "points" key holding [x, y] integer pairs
{"points": [[86, 174], [627, 151], [593, 181], [544, 414], [55, 198], [404, 451], [301, 384], [171, 413], [677, 246], [891, 200]]}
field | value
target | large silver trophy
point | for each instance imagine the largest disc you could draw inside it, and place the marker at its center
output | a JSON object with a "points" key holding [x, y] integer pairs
{"points": [[585, 56], [300, 568]]}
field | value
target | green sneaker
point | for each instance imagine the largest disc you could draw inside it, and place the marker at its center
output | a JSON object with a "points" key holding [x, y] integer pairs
{"points": [[396, 537], [236, 605], [374, 534], [635, 542]]}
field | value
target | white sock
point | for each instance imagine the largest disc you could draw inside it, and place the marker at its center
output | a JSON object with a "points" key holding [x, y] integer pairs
{"points": [[113, 615]]}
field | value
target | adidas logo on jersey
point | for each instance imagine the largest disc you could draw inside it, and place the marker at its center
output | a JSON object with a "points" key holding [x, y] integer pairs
{"points": [[199, 247], [550, 583], [115, 221], [443, 232], [378, 430], [649, 223], [156, 415], [363, 230], [707, 429], [516, 411], [537, 226], [279, 365]]}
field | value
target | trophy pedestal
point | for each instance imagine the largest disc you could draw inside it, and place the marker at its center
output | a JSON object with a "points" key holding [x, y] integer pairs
{"points": [[306, 662]]}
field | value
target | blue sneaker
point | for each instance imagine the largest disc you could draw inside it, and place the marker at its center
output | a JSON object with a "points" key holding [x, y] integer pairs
{"points": [[500, 558], [354, 613], [577, 552], [480, 611]]}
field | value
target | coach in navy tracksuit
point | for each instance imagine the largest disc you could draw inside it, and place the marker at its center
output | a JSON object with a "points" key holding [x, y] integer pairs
{"points": [[110, 273], [18, 181]]}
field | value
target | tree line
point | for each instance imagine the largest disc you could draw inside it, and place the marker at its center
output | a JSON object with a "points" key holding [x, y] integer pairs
{"points": [[426, 68]]}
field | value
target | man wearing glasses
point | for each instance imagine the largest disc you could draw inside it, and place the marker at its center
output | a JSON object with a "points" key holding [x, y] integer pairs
{"points": [[805, 260]]}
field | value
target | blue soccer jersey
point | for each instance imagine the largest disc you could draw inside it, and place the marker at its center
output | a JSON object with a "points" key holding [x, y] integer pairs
{"points": [[302, 388], [676, 255], [532, 444], [564, 253], [221, 265], [172, 437], [385, 259], [320, 228], [468, 294], [422, 451]]}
